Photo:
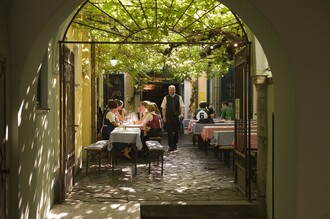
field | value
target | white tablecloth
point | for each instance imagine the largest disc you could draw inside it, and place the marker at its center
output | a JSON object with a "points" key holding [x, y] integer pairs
{"points": [[185, 123], [126, 135], [225, 137], [198, 127]]}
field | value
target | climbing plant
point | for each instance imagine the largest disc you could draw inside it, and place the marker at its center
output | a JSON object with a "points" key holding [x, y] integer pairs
{"points": [[174, 39]]}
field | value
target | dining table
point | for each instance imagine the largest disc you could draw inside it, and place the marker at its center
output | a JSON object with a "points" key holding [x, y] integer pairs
{"points": [[185, 123], [130, 125], [188, 124], [207, 131], [227, 137], [223, 137], [223, 141], [198, 127], [207, 134], [124, 134]]}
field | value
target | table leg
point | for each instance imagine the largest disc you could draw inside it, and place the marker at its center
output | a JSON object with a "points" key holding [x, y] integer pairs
{"points": [[87, 161], [162, 154], [100, 154], [135, 149], [113, 157]]}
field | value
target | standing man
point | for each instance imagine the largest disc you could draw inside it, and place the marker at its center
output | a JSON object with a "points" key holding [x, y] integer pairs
{"points": [[172, 111]]}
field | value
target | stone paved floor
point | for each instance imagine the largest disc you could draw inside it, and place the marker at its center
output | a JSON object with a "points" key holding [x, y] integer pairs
{"points": [[189, 175]]}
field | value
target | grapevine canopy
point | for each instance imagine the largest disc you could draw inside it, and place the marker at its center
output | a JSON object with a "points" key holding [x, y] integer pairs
{"points": [[177, 39]]}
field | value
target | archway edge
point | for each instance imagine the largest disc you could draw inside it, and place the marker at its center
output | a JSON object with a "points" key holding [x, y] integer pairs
{"points": [[31, 26], [284, 99]]}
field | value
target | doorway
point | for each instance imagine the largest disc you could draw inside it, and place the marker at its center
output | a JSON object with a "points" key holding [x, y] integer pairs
{"points": [[155, 92], [67, 158]]}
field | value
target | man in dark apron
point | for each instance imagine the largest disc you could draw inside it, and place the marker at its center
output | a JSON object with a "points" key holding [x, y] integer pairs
{"points": [[172, 111]]}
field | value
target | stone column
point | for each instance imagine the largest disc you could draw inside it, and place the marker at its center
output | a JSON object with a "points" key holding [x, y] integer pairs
{"points": [[260, 82]]}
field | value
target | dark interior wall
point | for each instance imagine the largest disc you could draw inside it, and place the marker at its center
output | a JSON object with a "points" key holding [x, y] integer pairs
{"points": [[160, 90]]}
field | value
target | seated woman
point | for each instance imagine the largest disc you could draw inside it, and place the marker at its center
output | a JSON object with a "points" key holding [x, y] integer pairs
{"points": [[152, 124], [121, 112], [143, 110], [157, 111], [109, 124]]}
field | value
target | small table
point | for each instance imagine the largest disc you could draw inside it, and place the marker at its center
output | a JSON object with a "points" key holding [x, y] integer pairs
{"points": [[126, 135]]}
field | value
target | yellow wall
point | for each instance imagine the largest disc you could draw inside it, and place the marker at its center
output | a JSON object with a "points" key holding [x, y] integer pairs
{"points": [[202, 90], [86, 97]]}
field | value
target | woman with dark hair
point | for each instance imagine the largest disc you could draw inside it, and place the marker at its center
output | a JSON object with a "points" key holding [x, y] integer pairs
{"points": [[109, 124], [121, 112]]}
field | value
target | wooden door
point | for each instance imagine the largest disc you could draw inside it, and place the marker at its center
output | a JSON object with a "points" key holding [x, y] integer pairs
{"points": [[67, 122], [3, 168], [243, 116]]}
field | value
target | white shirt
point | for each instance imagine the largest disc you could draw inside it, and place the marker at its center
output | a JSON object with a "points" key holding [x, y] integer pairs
{"points": [[165, 102], [111, 116], [149, 117], [201, 115]]}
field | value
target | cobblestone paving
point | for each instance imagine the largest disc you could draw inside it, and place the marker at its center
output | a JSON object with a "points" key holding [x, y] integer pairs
{"points": [[189, 175]]}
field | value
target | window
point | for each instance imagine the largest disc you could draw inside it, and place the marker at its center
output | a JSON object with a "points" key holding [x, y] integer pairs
{"points": [[42, 89]]}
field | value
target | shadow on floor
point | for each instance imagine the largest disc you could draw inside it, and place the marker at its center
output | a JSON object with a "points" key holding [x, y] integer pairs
{"points": [[191, 177]]}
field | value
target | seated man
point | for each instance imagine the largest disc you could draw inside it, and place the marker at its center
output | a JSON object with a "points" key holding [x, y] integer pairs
{"points": [[202, 112], [227, 112]]}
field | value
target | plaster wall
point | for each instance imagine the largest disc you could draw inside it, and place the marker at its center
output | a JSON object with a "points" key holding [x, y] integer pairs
{"points": [[31, 26], [269, 177], [4, 29], [86, 96]]}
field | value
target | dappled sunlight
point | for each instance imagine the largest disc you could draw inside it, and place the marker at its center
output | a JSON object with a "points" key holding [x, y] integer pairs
{"points": [[28, 90], [181, 190], [19, 114], [30, 179], [185, 179], [53, 85], [126, 189], [129, 210], [56, 216]]}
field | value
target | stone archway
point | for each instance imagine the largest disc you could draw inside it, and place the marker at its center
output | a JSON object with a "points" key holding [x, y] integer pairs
{"points": [[30, 56]]}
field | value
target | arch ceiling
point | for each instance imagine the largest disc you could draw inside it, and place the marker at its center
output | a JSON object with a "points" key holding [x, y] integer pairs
{"points": [[171, 27]]}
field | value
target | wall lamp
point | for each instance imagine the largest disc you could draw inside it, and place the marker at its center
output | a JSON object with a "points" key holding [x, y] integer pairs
{"points": [[113, 61]]}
